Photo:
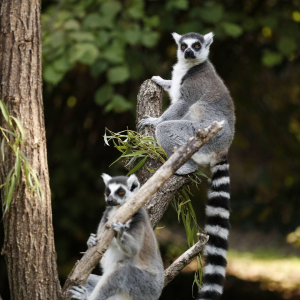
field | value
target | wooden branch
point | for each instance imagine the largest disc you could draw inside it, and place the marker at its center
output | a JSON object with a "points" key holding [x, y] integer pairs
{"points": [[149, 102], [187, 257], [91, 258]]}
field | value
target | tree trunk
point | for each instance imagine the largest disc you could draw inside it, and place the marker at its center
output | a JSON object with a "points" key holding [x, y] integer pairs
{"points": [[149, 102], [29, 242]]}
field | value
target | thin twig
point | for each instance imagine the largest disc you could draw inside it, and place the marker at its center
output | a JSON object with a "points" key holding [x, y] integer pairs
{"points": [[186, 258]]}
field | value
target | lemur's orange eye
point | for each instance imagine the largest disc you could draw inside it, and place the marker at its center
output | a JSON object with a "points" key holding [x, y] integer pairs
{"points": [[121, 193], [107, 193], [183, 47], [197, 46]]}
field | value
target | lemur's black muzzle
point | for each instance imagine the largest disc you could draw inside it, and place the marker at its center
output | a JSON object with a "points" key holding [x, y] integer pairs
{"points": [[111, 201], [189, 53]]}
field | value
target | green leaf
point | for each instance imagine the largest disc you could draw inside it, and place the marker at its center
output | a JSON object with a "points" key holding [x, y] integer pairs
{"points": [[103, 94], [57, 38], [136, 9], [177, 4], [51, 75], [138, 166], [132, 35], [111, 8], [98, 67], [17, 166], [118, 104], [21, 129], [5, 112], [62, 64], [85, 53], [2, 149], [136, 153], [153, 21], [150, 38], [72, 25], [118, 74], [211, 13], [82, 36], [115, 53], [95, 20], [8, 196], [287, 45], [231, 29], [271, 59]]}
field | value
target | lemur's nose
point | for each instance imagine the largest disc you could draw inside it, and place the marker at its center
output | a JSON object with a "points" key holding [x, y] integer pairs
{"points": [[188, 50]]}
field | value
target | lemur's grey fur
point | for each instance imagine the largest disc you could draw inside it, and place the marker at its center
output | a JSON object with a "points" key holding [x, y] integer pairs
{"points": [[199, 98], [132, 265]]}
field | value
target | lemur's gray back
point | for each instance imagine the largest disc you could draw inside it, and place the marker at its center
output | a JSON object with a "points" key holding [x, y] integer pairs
{"points": [[202, 87]]}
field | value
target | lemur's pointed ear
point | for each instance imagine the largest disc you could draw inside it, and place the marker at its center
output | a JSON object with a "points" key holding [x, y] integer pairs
{"points": [[106, 178], [176, 37], [208, 39], [133, 183]]}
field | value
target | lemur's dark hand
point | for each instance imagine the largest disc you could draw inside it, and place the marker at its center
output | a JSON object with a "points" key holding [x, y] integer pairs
{"points": [[78, 292], [147, 121], [92, 241], [119, 227]]}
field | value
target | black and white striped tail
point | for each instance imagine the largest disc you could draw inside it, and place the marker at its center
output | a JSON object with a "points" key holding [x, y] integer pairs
{"points": [[217, 227]]}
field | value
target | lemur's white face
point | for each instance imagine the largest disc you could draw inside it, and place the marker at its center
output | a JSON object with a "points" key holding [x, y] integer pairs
{"points": [[192, 48], [118, 190]]}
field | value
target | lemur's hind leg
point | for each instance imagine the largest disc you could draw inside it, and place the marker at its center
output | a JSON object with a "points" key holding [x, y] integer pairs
{"points": [[175, 133], [91, 283], [165, 84], [127, 281]]}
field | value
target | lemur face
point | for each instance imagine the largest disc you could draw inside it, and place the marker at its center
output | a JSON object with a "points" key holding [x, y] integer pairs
{"points": [[119, 189], [193, 47]]}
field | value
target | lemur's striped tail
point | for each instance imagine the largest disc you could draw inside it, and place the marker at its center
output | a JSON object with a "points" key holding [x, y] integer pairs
{"points": [[217, 226]]}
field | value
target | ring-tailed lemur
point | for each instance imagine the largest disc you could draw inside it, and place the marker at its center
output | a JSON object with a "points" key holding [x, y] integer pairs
{"points": [[199, 97], [132, 266]]}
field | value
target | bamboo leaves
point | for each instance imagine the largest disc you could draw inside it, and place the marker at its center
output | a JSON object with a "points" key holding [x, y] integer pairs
{"points": [[135, 147], [14, 139]]}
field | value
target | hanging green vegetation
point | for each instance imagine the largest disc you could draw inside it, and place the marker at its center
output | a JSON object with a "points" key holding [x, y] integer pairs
{"points": [[14, 137]]}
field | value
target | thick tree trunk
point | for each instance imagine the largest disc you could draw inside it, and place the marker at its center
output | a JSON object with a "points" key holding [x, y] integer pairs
{"points": [[29, 243]]}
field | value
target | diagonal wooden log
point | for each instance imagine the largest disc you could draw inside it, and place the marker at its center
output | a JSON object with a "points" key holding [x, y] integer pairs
{"points": [[183, 260], [92, 256], [149, 102]]}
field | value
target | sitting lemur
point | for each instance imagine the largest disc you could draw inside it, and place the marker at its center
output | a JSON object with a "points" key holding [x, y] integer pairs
{"points": [[132, 265], [199, 98]]}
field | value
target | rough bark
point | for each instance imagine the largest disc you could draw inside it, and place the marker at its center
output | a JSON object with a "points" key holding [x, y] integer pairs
{"points": [[149, 102], [183, 260], [93, 255], [28, 233]]}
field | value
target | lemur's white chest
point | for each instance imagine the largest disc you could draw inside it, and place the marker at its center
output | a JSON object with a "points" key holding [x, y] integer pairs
{"points": [[113, 253], [179, 70]]}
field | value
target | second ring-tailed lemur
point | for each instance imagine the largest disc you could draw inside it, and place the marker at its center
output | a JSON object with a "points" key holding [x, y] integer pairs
{"points": [[132, 266], [199, 97]]}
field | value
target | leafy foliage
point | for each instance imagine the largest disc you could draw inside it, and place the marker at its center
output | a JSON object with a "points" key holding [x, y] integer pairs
{"points": [[14, 138], [106, 34]]}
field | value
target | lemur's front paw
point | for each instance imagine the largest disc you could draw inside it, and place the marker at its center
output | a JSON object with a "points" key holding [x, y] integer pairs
{"points": [[92, 241], [157, 79], [147, 121], [119, 227], [78, 292]]}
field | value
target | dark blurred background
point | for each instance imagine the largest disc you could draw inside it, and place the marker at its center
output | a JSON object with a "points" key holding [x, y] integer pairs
{"points": [[97, 53]]}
